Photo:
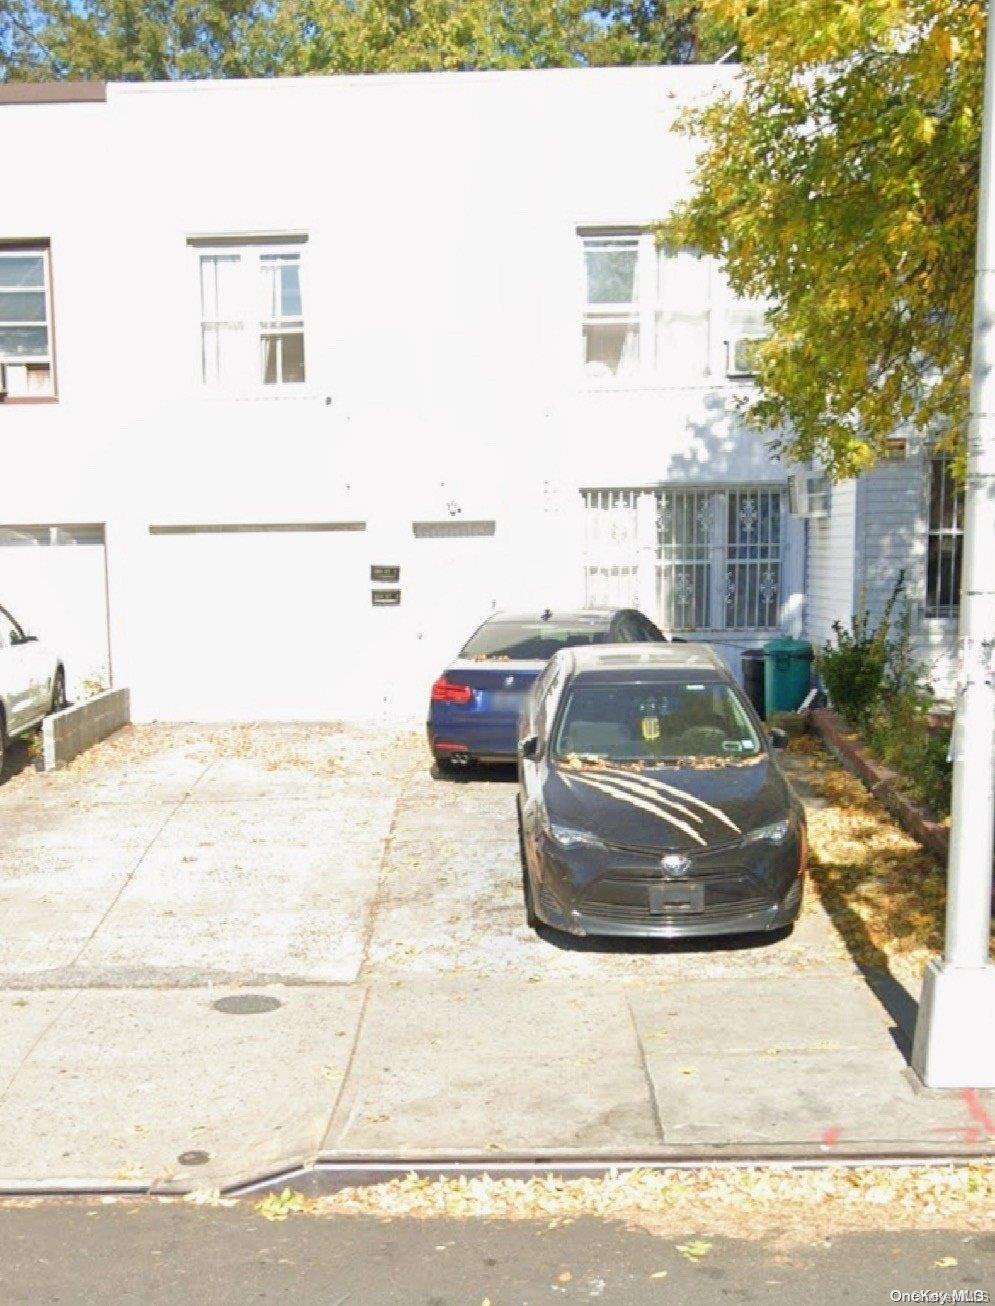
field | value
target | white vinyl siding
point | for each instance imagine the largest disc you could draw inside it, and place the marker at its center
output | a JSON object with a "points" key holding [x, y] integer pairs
{"points": [[893, 535], [829, 581]]}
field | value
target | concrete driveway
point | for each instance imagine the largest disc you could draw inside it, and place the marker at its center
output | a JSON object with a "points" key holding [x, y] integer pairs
{"points": [[229, 952]]}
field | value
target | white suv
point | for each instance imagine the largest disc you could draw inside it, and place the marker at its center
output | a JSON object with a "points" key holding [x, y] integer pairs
{"points": [[32, 682]]}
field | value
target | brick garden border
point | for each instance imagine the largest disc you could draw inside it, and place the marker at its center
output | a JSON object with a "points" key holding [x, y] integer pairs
{"points": [[845, 744]]}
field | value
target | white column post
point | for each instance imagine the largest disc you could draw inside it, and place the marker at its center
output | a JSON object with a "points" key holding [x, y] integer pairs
{"points": [[955, 1032], [646, 552]]}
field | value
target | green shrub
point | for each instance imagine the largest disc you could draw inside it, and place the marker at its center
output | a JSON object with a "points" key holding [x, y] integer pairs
{"points": [[900, 733], [875, 683], [854, 669]]}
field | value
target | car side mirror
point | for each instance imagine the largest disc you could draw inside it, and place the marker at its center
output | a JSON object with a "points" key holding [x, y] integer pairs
{"points": [[778, 737], [530, 748]]}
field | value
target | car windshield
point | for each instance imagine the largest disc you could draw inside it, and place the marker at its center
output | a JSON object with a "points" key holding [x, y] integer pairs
{"points": [[650, 722], [529, 640]]}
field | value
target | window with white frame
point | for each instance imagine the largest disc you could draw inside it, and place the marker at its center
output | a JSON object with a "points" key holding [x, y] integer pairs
{"points": [[945, 546], [655, 313], [251, 314], [26, 359], [717, 553], [613, 311]]}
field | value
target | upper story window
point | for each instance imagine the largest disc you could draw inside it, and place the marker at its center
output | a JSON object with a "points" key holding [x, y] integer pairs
{"points": [[26, 361], [946, 540], [251, 314], [613, 313], [651, 314]]}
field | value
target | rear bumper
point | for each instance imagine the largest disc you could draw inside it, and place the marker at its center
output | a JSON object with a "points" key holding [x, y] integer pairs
{"points": [[480, 738]]}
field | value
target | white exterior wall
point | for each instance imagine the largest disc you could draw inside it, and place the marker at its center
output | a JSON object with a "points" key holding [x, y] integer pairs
{"points": [[829, 570], [893, 537], [443, 288], [876, 528]]}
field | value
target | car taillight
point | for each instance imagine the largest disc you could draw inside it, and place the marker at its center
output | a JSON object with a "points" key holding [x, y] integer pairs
{"points": [[445, 691]]}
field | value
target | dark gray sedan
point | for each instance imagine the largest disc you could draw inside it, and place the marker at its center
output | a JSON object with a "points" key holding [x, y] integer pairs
{"points": [[650, 801]]}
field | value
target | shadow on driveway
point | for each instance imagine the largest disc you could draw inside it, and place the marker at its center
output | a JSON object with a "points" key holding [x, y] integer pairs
{"points": [[22, 755], [661, 947]]}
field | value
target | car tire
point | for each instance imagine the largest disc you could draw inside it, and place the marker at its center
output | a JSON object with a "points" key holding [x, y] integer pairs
{"points": [[531, 919], [59, 701]]}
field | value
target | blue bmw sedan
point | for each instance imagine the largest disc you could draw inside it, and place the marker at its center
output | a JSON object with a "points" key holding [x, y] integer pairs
{"points": [[475, 703]]}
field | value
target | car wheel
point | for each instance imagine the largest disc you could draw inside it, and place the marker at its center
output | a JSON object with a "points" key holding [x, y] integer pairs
{"points": [[531, 919], [58, 691]]}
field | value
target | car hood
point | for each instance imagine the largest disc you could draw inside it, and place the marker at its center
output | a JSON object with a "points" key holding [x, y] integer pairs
{"points": [[664, 808]]}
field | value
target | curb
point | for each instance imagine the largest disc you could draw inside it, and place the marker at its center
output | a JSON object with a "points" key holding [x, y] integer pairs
{"points": [[881, 781], [329, 1173]]}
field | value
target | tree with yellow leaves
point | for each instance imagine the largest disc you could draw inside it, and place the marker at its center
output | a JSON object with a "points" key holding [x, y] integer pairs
{"points": [[839, 179]]}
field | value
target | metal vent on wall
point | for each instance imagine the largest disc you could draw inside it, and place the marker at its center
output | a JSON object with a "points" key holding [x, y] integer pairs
{"points": [[449, 530], [256, 528]]}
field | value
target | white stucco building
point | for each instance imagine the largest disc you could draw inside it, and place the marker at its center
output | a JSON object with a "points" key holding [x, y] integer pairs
{"points": [[262, 337]]}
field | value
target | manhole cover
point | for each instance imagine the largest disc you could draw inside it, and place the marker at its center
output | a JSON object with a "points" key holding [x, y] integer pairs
{"points": [[247, 1004], [194, 1158]]}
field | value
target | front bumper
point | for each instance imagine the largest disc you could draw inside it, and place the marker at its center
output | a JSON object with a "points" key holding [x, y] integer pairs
{"points": [[733, 890]]}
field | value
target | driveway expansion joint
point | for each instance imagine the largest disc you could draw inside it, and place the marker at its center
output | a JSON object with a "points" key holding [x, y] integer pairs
{"points": [[422, 1026]]}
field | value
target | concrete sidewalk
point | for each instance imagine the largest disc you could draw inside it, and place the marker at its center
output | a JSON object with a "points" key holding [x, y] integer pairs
{"points": [[229, 954]]}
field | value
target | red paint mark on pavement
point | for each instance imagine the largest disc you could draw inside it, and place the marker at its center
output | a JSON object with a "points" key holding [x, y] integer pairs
{"points": [[976, 1110], [831, 1136]]}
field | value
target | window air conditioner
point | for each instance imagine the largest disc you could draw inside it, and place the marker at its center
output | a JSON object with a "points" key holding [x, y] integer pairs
{"points": [[741, 355], [808, 496]]}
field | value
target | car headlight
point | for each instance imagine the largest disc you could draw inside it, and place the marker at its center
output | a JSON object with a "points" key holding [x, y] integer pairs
{"points": [[567, 837], [776, 832]]}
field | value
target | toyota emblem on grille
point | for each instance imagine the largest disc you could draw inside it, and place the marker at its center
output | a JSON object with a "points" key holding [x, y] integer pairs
{"points": [[675, 864], [509, 681]]}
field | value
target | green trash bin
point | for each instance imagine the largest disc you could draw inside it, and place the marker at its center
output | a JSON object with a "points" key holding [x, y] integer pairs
{"points": [[787, 673]]}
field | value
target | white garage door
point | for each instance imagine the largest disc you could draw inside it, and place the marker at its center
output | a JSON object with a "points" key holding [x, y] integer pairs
{"points": [[258, 623], [54, 580]]}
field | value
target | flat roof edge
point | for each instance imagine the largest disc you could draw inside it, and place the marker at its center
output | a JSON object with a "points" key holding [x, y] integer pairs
{"points": [[53, 92]]}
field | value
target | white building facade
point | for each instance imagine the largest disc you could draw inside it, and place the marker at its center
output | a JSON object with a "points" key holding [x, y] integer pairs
{"points": [[304, 378]]}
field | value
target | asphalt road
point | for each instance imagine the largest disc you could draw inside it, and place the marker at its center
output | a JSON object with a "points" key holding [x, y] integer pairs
{"points": [[151, 1253]]}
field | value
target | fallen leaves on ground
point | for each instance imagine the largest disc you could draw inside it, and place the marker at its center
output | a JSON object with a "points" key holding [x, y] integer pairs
{"points": [[277, 1206], [341, 749], [720, 1201], [885, 895], [694, 1250], [130, 1172]]}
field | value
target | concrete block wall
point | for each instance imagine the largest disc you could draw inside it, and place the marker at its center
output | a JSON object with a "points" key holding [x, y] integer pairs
{"points": [[67, 734]]}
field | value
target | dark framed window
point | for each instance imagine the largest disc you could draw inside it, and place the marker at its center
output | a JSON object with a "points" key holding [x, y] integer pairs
{"points": [[945, 546], [26, 352]]}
